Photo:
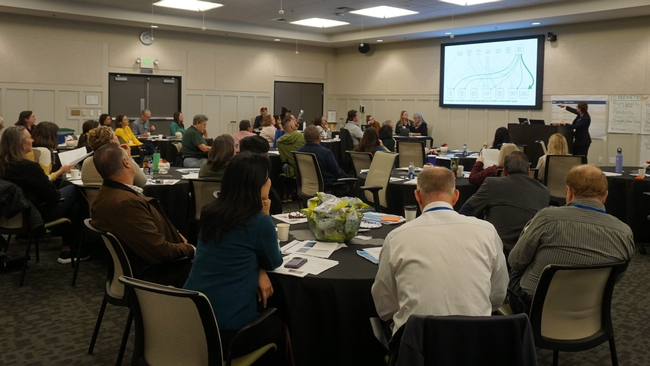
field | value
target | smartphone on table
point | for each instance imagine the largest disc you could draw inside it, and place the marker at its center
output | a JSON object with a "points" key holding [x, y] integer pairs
{"points": [[296, 262]]}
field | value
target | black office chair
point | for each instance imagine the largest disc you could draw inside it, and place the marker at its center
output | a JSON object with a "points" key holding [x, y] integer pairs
{"points": [[346, 144]]}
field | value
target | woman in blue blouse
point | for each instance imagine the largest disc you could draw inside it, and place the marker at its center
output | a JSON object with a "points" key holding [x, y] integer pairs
{"points": [[237, 244], [177, 125]]}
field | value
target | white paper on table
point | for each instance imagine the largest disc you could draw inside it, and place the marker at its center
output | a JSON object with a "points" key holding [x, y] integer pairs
{"points": [[363, 237], [285, 218], [73, 157], [610, 174], [364, 171], [374, 252], [635, 174], [312, 248], [314, 266], [490, 157], [411, 181], [163, 182], [274, 152], [188, 170], [78, 182], [417, 169], [396, 179], [190, 176]]}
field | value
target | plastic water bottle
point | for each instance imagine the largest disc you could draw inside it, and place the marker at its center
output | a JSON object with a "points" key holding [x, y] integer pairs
{"points": [[147, 166], [304, 125], [464, 149], [619, 160], [411, 174]]}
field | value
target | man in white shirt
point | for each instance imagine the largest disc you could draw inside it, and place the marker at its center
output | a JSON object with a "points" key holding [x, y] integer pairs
{"points": [[353, 127], [441, 263]]}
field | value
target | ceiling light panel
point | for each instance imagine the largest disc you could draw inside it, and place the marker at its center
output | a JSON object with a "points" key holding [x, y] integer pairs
{"points": [[384, 12], [468, 2], [319, 23], [193, 5]]}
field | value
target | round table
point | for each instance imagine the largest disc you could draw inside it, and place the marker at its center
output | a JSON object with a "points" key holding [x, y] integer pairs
{"points": [[627, 202], [328, 315], [166, 147]]}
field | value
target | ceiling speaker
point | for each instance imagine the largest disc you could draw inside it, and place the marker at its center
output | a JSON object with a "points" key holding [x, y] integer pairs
{"points": [[364, 47]]}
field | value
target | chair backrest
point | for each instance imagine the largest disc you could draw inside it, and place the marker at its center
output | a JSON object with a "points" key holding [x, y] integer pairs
{"points": [[178, 146], [556, 168], [467, 340], [90, 193], [309, 178], [360, 160], [120, 266], [522, 148], [379, 174], [278, 134], [572, 305], [411, 152], [17, 224], [162, 312], [201, 192]]}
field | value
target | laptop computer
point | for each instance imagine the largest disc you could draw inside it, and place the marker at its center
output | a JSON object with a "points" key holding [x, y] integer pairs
{"points": [[404, 132], [523, 120], [536, 122]]}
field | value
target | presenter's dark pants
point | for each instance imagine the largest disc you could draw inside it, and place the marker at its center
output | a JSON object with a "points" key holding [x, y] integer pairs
{"points": [[580, 150]]}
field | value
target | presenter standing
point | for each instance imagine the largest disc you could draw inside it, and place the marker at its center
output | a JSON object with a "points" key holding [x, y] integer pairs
{"points": [[581, 137]]}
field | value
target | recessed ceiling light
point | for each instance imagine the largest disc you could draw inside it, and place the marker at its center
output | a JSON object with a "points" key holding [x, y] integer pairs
{"points": [[277, 39], [319, 23], [154, 26], [537, 23], [469, 2], [194, 5], [384, 12], [380, 40]]}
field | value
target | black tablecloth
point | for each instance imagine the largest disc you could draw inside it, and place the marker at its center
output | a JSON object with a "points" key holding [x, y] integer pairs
{"points": [[174, 199], [627, 202], [328, 314], [166, 148], [400, 194], [335, 147]]}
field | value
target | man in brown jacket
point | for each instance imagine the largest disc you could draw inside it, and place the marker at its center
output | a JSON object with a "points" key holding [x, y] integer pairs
{"points": [[148, 237]]}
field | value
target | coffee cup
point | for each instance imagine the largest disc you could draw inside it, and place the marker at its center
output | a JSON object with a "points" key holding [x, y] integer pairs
{"points": [[460, 171], [443, 149], [410, 212], [178, 134], [70, 143], [283, 232], [642, 172], [75, 174]]}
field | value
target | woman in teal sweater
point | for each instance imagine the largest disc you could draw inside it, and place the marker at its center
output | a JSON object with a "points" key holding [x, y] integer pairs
{"points": [[177, 125], [237, 244]]}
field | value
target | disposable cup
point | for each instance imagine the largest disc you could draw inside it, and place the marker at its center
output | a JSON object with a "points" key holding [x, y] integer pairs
{"points": [[283, 232]]}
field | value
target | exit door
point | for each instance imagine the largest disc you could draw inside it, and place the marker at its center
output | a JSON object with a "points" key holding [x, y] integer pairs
{"points": [[130, 94]]}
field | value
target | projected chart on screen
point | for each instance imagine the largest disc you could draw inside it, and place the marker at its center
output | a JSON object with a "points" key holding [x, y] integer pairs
{"points": [[498, 74]]}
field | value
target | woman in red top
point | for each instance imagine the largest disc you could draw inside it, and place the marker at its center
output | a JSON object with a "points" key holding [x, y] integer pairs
{"points": [[479, 173]]}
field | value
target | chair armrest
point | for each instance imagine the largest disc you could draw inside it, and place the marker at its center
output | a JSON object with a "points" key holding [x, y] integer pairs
{"points": [[371, 188], [378, 331], [268, 311], [346, 180], [535, 172], [375, 195], [45, 204]]}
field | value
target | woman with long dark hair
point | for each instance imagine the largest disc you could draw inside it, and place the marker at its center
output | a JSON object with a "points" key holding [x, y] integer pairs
{"points": [[46, 141], [370, 142], [386, 137], [37, 187], [27, 119], [237, 243], [501, 136], [83, 138], [222, 151], [177, 125]]}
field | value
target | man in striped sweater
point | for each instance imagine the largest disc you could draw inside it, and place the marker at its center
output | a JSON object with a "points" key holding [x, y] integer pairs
{"points": [[580, 233]]}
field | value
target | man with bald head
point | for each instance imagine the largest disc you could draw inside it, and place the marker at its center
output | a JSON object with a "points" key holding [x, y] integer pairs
{"points": [[441, 263], [580, 233]]}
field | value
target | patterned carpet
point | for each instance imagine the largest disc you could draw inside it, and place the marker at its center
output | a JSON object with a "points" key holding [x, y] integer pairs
{"points": [[47, 322]]}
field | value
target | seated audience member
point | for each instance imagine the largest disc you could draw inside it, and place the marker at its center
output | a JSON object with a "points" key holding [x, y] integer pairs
{"points": [[322, 126], [268, 130], [510, 201], [370, 142], [97, 138], [237, 245], [329, 167], [370, 122], [83, 138], [123, 131], [501, 136], [141, 126], [419, 126], [27, 119], [46, 141], [223, 149], [37, 187], [441, 263], [278, 121], [177, 125], [557, 145], [291, 141], [149, 237], [2, 127], [386, 137], [352, 125], [259, 120], [255, 145], [478, 174], [195, 150], [403, 122], [245, 130], [105, 120], [580, 233]]}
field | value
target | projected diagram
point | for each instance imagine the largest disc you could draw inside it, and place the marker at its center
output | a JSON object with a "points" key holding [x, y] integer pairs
{"points": [[486, 74]]}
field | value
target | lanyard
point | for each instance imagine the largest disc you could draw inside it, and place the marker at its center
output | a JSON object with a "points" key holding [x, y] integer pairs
{"points": [[439, 209], [589, 208]]}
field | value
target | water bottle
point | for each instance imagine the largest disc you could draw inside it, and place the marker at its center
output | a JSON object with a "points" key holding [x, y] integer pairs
{"points": [[411, 171], [464, 149], [619, 160], [304, 125], [148, 164], [156, 160]]}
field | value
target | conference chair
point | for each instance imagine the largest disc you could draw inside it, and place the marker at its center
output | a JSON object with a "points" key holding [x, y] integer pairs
{"points": [[89, 192], [464, 340], [374, 189], [177, 327], [27, 221], [556, 168], [571, 308], [360, 160], [309, 178], [201, 192], [411, 152], [346, 144]]}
